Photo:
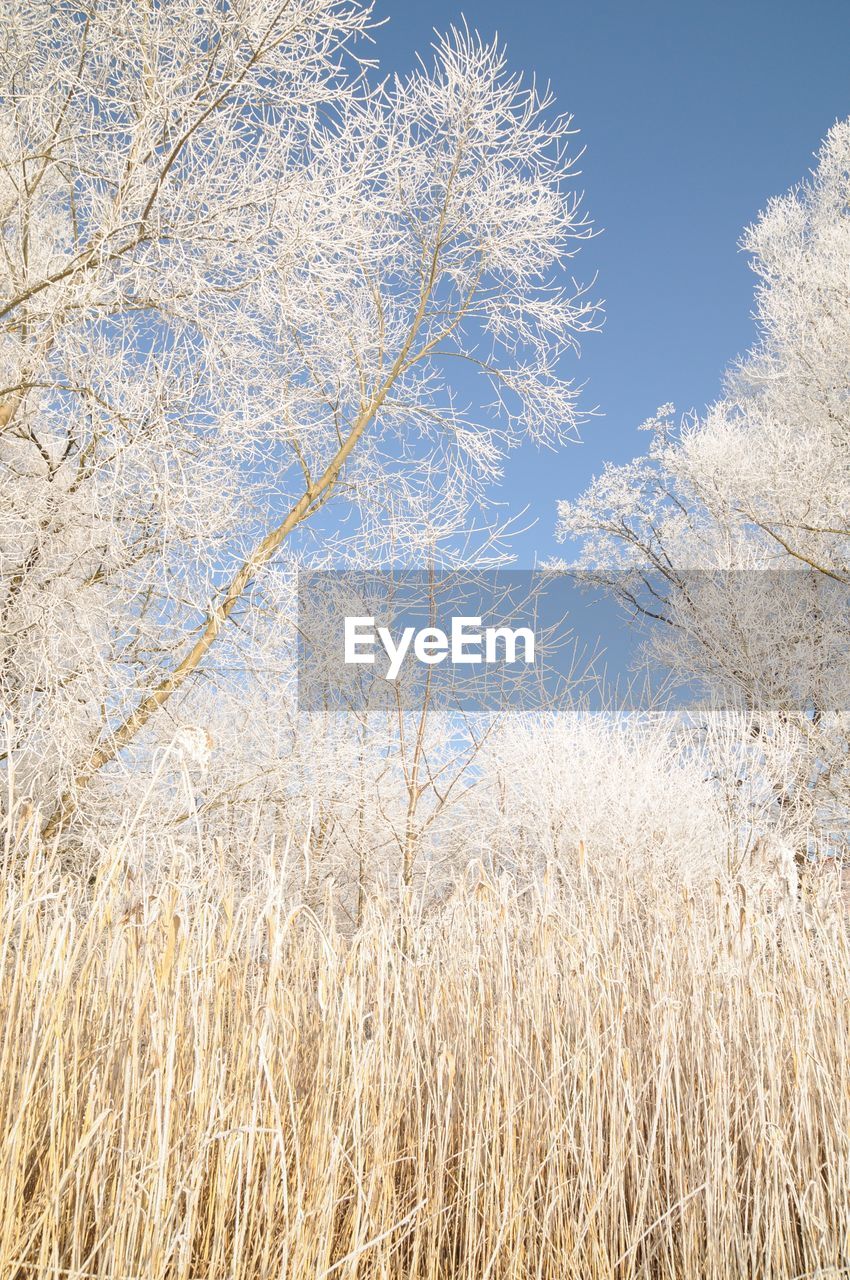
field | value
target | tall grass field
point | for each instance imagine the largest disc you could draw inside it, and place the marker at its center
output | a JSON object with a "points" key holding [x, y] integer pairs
{"points": [[574, 1082]]}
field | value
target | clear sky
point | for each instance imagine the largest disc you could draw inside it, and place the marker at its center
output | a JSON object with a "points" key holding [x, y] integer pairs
{"points": [[693, 114]]}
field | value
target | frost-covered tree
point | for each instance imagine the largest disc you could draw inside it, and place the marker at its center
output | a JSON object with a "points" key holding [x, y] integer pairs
{"points": [[764, 476], [569, 790], [759, 488], [237, 273]]}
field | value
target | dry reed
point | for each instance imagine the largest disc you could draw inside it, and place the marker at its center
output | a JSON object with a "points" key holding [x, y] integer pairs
{"points": [[566, 1084]]}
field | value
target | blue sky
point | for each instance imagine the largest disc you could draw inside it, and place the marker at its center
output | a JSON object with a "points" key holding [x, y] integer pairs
{"points": [[692, 115]]}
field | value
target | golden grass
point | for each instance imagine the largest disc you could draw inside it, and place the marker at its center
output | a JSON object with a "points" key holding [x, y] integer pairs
{"points": [[570, 1086]]}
